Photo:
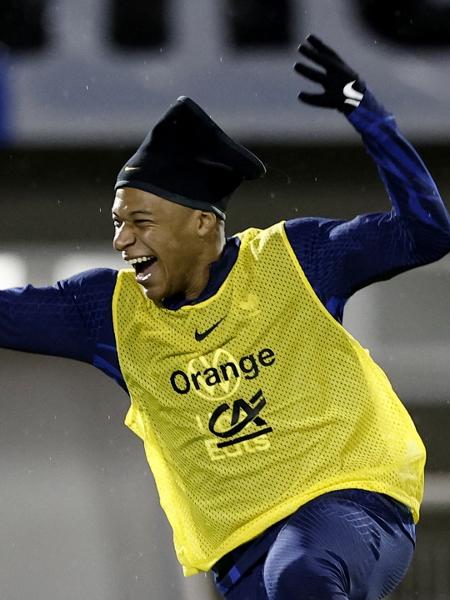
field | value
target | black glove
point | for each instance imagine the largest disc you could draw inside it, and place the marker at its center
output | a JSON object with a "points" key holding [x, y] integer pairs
{"points": [[344, 90]]}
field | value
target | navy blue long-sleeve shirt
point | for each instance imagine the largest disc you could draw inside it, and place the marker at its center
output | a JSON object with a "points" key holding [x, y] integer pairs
{"points": [[73, 318]]}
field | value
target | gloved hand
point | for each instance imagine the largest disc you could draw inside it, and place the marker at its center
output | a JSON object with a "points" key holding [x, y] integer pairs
{"points": [[344, 90]]}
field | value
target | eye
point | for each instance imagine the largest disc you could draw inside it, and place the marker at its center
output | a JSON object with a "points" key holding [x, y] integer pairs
{"points": [[116, 224], [143, 222]]}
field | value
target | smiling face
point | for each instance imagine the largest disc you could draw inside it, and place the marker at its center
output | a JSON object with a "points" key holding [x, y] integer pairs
{"points": [[175, 244]]}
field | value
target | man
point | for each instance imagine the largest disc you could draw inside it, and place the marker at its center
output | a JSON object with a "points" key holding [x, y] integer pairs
{"points": [[283, 458]]}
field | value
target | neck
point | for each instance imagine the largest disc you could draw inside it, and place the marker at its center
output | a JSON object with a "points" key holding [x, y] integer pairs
{"points": [[200, 277]]}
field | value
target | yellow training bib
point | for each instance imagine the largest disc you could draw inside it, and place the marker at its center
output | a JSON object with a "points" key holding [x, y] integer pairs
{"points": [[256, 401]]}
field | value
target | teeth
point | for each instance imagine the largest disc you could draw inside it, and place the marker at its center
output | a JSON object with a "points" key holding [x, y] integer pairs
{"points": [[140, 259]]}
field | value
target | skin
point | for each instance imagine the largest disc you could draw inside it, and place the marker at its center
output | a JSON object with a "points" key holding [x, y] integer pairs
{"points": [[185, 241]]}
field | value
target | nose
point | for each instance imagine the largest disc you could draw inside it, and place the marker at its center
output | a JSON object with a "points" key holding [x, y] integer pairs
{"points": [[123, 237]]}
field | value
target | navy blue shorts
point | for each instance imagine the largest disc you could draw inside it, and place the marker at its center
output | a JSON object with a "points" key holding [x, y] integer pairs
{"points": [[344, 545]]}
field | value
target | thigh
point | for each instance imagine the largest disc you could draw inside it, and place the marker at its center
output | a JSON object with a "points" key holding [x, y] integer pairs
{"points": [[335, 549]]}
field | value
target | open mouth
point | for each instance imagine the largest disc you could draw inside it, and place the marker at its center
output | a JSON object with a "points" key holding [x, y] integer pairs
{"points": [[143, 267]]}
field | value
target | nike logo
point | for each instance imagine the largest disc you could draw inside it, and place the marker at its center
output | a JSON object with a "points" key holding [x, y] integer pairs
{"points": [[132, 168], [201, 335], [352, 96]]}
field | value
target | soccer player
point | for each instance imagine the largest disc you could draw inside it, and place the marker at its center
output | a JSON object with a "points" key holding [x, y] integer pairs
{"points": [[284, 460]]}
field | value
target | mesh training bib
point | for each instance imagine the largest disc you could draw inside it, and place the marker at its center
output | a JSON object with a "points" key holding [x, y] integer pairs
{"points": [[256, 401]]}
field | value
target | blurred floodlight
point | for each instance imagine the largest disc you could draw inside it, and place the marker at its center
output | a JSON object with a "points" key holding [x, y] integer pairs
{"points": [[13, 271], [71, 264]]}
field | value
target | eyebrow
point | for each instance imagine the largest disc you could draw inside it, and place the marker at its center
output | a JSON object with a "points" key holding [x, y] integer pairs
{"points": [[135, 212]]}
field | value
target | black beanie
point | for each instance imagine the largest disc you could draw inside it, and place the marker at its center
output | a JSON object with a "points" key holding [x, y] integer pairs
{"points": [[189, 160]]}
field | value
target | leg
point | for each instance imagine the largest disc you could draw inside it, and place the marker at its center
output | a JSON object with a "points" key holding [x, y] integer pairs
{"points": [[296, 571], [336, 548]]}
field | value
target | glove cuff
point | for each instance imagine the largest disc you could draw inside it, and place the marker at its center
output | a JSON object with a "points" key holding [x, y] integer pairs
{"points": [[352, 96]]}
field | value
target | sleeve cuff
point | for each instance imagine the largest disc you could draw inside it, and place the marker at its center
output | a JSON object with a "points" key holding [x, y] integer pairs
{"points": [[369, 113]]}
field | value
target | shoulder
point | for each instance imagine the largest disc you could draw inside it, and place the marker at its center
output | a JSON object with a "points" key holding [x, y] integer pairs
{"points": [[95, 283], [91, 278], [305, 224], [305, 235], [307, 231]]}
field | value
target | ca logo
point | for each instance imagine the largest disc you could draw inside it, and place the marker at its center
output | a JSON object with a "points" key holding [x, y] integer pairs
{"points": [[221, 370], [227, 421]]}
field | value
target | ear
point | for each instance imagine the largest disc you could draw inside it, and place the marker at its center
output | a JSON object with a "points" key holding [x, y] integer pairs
{"points": [[206, 223]]}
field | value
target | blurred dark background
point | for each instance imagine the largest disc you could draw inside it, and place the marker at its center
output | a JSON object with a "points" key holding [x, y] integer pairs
{"points": [[80, 85]]}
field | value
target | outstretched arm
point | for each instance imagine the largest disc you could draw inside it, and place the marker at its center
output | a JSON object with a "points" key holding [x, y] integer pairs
{"points": [[60, 320], [340, 257]]}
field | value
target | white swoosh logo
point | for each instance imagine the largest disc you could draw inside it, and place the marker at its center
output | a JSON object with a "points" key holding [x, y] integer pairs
{"points": [[352, 96], [132, 168]]}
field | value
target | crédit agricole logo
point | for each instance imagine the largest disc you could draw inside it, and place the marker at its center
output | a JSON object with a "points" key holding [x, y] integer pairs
{"points": [[236, 424]]}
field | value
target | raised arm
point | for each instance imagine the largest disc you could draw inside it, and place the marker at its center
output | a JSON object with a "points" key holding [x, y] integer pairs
{"points": [[340, 257], [410, 187]]}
